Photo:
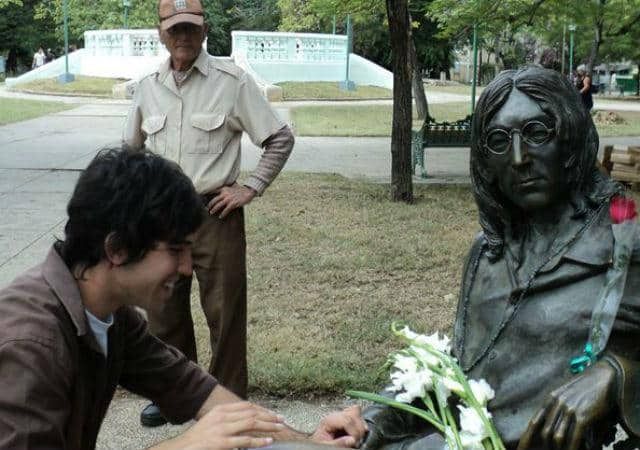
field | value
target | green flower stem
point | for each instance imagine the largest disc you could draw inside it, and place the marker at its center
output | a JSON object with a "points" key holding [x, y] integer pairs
{"points": [[496, 442], [452, 423], [427, 400], [403, 406], [447, 419], [450, 362], [443, 407]]}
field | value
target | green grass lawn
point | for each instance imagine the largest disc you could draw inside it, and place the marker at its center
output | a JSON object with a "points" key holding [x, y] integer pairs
{"points": [[331, 263], [325, 90], [15, 110], [375, 120], [361, 120], [462, 89], [95, 86], [321, 90]]}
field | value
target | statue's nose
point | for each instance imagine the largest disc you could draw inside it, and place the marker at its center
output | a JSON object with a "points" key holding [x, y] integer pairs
{"points": [[516, 149]]}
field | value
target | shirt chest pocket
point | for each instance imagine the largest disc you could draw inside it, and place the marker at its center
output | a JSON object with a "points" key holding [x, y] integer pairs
{"points": [[208, 133], [155, 129]]}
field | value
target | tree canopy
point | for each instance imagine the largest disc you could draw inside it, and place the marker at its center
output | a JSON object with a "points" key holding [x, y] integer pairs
{"points": [[506, 26], [516, 31]]}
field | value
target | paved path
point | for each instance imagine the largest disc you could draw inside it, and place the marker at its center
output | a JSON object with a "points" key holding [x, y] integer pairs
{"points": [[432, 97], [39, 165]]}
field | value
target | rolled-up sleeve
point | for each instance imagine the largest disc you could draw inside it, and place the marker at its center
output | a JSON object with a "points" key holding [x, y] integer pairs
{"points": [[161, 373], [34, 396], [259, 120]]}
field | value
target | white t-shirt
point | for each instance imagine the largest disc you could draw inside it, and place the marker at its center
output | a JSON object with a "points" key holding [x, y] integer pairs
{"points": [[100, 330], [39, 59]]}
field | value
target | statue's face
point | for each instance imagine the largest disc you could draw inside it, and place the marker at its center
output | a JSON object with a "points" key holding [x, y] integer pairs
{"points": [[525, 155]]}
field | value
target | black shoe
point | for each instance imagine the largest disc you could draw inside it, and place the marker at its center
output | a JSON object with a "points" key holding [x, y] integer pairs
{"points": [[151, 416]]}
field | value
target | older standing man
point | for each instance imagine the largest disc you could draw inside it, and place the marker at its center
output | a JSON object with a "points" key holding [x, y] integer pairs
{"points": [[193, 110]]}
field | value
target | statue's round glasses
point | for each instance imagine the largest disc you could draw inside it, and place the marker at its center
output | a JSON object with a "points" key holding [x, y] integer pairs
{"points": [[534, 133]]}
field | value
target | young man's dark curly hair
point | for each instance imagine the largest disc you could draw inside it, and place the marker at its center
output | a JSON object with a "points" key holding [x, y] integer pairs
{"points": [[131, 200]]}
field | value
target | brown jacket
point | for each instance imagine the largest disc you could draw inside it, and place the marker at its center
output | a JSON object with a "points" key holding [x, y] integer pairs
{"points": [[56, 385]]}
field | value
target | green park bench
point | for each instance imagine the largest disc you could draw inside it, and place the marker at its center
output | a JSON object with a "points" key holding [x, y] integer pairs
{"points": [[438, 134]]}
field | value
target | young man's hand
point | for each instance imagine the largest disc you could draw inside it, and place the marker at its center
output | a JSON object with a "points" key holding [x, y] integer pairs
{"points": [[341, 429], [229, 426]]}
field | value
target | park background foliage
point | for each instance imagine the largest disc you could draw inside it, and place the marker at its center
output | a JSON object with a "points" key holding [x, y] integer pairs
{"points": [[515, 31]]}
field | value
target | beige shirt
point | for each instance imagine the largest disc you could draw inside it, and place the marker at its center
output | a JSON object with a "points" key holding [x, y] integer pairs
{"points": [[199, 124]]}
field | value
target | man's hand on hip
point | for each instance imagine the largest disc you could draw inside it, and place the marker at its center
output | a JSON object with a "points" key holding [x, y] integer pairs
{"points": [[229, 198]]}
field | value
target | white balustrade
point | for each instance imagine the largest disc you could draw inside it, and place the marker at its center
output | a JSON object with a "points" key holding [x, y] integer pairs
{"points": [[124, 43], [265, 47]]}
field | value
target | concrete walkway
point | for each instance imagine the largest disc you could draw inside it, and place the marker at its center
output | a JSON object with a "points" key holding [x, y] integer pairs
{"points": [[39, 165]]}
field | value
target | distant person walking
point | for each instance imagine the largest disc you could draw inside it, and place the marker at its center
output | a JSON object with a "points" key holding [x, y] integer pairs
{"points": [[613, 84], [583, 84], [38, 58], [50, 56]]}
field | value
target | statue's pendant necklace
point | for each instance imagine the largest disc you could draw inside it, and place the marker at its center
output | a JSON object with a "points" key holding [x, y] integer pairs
{"points": [[517, 302]]}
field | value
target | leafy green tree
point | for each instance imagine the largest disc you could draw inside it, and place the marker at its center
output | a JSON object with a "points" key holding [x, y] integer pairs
{"points": [[262, 15], [21, 34], [622, 44], [505, 24], [299, 15]]}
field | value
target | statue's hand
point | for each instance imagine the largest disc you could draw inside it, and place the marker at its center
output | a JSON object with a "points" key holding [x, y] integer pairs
{"points": [[372, 439], [571, 409]]}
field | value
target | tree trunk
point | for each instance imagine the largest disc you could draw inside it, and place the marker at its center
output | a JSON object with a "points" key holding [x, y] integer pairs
{"points": [[422, 107], [400, 36], [597, 37], [595, 47], [638, 81]]}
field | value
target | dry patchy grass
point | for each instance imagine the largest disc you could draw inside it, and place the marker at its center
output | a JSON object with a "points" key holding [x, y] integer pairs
{"points": [[628, 124], [332, 262]]}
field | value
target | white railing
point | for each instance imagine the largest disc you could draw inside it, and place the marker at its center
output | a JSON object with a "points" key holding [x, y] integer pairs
{"points": [[259, 46], [124, 43]]}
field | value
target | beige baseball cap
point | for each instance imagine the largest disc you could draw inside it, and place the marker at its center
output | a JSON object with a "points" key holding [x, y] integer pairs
{"points": [[172, 12]]}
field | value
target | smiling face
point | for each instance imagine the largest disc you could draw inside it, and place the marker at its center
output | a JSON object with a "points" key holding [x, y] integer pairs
{"points": [[529, 162], [153, 278], [184, 43]]}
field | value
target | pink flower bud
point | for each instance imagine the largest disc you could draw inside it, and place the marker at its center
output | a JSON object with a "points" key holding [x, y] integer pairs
{"points": [[622, 208]]}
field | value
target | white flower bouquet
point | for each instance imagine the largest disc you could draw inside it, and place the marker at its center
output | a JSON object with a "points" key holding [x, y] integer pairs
{"points": [[426, 370]]}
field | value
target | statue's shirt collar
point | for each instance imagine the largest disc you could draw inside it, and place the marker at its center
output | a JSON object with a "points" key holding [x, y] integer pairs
{"points": [[594, 247]]}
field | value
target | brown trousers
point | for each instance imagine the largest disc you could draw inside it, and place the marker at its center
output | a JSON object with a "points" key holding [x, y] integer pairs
{"points": [[219, 263]]}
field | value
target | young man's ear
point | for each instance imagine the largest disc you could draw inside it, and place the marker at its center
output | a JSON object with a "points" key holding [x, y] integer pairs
{"points": [[115, 256]]}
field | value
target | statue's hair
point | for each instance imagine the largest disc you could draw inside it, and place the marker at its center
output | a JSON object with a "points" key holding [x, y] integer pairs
{"points": [[577, 138]]}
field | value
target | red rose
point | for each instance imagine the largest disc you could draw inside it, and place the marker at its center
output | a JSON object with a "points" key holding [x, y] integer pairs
{"points": [[622, 208]]}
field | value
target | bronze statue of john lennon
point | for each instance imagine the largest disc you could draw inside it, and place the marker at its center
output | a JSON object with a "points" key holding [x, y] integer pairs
{"points": [[533, 276]]}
